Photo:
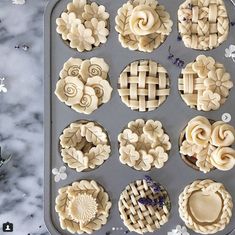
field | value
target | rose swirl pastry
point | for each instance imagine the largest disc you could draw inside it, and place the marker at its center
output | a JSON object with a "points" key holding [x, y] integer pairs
{"points": [[206, 146], [83, 85]]}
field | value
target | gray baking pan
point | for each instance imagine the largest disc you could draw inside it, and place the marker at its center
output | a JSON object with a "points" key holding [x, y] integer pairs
{"points": [[174, 114]]}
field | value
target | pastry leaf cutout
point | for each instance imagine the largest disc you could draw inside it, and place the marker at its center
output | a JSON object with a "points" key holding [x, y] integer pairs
{"points": [[150, 42], [122, 19], [62, 202], [129, 41], [75, 159]]}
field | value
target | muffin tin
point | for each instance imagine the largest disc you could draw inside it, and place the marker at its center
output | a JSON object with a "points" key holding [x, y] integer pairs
{"points": [[114, 116]]}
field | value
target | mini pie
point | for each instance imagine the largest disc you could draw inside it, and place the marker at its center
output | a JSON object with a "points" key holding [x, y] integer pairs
{"points": [[142, 25], [83, 84], [82, 207], [206, 145], [144, 85], [204, 84], [205, 206], [203, 25], [84, 145], [144, 145], [83, 25], [142, 218]]}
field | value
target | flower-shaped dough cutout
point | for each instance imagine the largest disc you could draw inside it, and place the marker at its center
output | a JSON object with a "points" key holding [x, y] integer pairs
{"points": [[142, 25], [207, 145], [83, 25], [219, 82], [203, 65], [94, 11], [65, 23], [84, 145], [204, 84], [209, 101], [94, 67], [146, 142], [82, 207], [84, 85], [102, 88], [69, 90], [99, 31]]}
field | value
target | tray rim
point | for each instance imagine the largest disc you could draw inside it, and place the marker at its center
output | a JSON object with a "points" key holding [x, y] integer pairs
{"points": [[47, 116]]}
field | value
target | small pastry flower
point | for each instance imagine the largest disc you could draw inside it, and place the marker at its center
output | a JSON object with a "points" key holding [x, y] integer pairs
{"points": [[198, 131], [64, 24], [88, 102], [81, 38], [60, 173], [164, 141], [102, 88], [69, 90], [219, 82], [128, 155], [127, 136], [190, 149], [77, 7], [203, 65], [153, 129], [146, 162], [223, 158], [209, 101], [180, 230], [71, 68], [137, 126], [159, 156], [99, 31], [223, 134], [95, 11], [94, 67]]}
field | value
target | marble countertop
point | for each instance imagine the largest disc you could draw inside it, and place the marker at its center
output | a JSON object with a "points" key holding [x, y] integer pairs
{"points": [[21, 116]]}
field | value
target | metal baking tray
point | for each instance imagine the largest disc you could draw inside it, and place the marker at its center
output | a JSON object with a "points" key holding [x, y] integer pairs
{"points": [[114, 116]]}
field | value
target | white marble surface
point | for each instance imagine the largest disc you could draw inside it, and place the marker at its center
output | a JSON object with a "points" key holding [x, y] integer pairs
{"points": [[21, 114]]}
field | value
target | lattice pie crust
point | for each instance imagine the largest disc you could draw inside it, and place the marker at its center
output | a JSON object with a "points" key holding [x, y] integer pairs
{"points": [[82, 207], [203, 24], [205, 206], [144, 145], [84, 145], [83, 84], [207, 146], [205, 84], [142, 25], [83, 25], [144, 85], [141, 218]]}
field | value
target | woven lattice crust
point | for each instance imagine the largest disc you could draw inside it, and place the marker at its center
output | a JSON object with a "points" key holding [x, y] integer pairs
{"points": [[203, 25], [141, 218], [144, 85], [210, 188], [83, 219]]}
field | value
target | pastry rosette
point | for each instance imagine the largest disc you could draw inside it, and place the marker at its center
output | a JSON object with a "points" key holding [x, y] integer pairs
{"points": [[83, 25], [206, 145], [205, 84], [82, 207], [83, 85], [84, 145], [205, 206], [144, 145], [142, 25]]}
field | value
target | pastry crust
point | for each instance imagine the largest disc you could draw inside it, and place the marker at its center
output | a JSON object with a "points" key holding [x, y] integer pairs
{"points": [[144, 145], [203, 25], [84, 85], [144, 85], [142, 25], [206, 145], [84, 145], [82, 207], [84, 25], [141, 218], [204, 84], [205, 206]]}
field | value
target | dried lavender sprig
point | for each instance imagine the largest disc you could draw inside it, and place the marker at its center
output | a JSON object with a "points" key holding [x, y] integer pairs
{"points": [[152, 202], [155, 186]]}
